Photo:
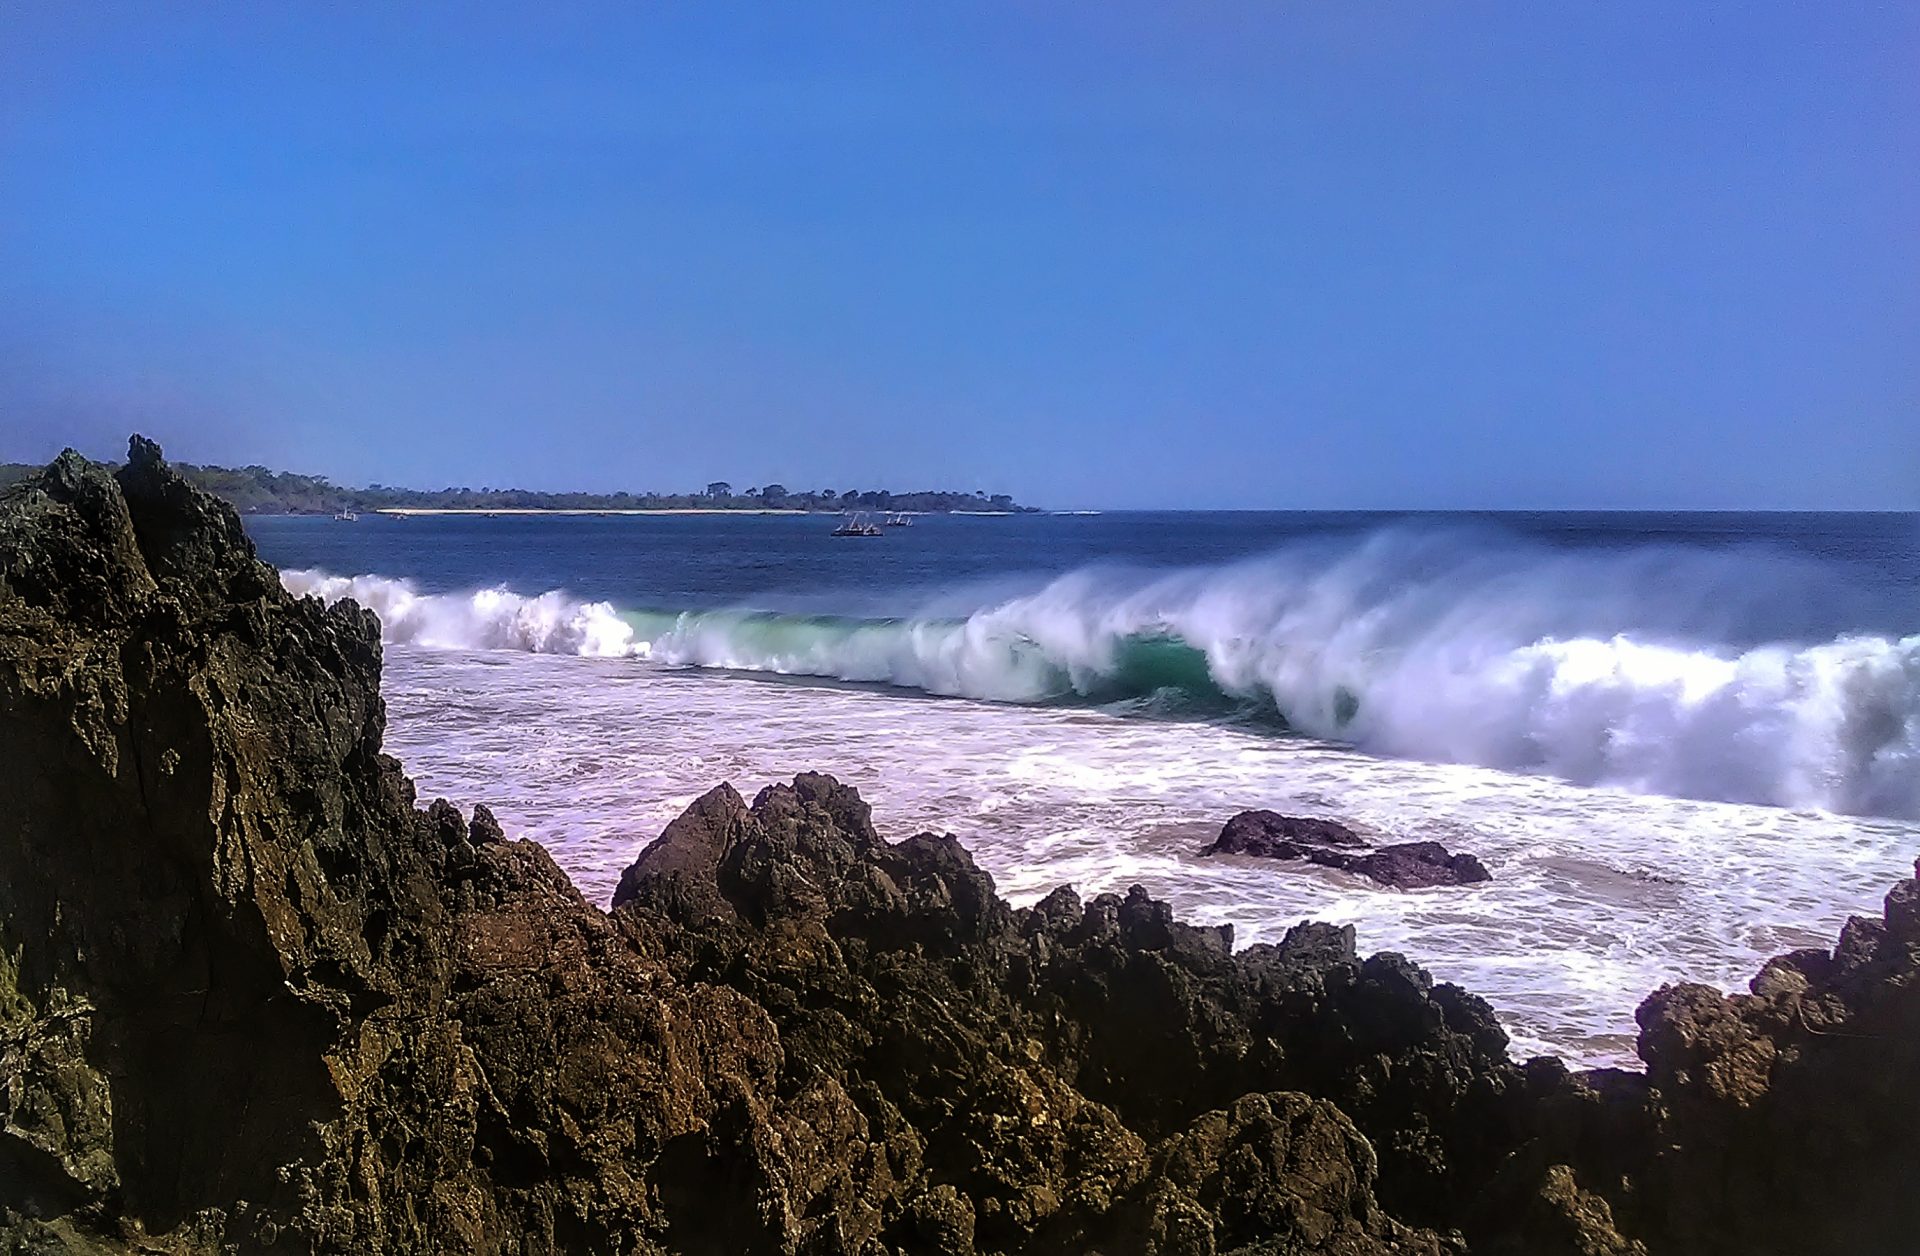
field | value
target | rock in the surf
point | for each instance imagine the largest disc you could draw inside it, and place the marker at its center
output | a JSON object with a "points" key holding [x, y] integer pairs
{"points": [[1412, 865], [1330, 844], [1271, 834]]}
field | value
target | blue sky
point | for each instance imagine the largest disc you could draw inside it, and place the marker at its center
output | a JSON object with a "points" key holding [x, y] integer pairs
{"points": [[1238, 255]]}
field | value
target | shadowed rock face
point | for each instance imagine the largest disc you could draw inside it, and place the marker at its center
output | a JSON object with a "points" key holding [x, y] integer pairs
{"points": [[1786, 1117], [252, 998], [250, 994]]}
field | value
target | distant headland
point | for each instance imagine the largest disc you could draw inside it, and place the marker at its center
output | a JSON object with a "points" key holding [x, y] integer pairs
{"points": [[256, 490]]}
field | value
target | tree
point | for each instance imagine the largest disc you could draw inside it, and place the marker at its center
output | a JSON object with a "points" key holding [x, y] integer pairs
{"points": [[719, 488]]}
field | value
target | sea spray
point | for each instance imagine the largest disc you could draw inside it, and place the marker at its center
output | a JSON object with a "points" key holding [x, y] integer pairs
{"points": [[487, 619], [1666, 670]]}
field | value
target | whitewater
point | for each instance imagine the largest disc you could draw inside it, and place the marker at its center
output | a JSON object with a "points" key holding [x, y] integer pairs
{"points": [[1416, 647], [1677, 757]]}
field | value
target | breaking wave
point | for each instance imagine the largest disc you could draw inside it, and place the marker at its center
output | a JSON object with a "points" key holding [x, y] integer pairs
{"points": [[490, 619], [1702, 674]]}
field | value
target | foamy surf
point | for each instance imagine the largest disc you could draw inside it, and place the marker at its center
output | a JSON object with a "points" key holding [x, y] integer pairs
{"points": [[1598, 896], [1595, 669], [486, 619]]}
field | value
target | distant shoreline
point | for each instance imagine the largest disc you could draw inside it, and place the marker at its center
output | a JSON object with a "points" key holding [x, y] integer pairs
{"points": [[408, 511], [411, 511], [256, 490]]}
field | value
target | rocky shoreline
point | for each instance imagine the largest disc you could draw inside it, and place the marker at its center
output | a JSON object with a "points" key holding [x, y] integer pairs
{"points": [[254, 999]]}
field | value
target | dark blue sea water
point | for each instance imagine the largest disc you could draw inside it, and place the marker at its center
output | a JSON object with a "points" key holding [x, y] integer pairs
{"points": [[1681, 741], [1845, 571]]}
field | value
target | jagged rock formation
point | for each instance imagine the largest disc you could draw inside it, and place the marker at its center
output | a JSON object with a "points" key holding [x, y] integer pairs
{"points": [[1041, 1054], [1330, 844], [253, 999]]}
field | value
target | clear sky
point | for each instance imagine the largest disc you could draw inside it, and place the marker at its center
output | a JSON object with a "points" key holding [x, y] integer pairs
{"points": [[1274, 254]]}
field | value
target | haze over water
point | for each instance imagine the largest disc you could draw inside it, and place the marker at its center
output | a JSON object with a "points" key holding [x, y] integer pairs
{"points": [[1680, 742]]}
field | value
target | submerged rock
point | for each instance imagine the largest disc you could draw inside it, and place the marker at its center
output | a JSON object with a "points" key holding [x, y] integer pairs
{"points": [[254, 999], [1329, 844]]}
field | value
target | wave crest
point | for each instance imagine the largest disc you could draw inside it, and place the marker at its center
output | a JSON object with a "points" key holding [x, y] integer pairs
{"points": [[487, 619], [1650, 671]]}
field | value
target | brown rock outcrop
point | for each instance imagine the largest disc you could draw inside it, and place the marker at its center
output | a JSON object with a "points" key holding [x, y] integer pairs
{"points": [[254, 999]]}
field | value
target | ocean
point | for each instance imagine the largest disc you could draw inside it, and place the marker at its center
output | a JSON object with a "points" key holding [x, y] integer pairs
{"points": [[1681, 742]]}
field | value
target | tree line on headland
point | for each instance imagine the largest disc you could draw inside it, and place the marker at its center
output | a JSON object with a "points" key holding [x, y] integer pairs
{"points": [[259, 491]]}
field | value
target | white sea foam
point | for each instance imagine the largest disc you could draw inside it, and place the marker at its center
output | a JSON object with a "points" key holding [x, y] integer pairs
{"points": [[1598, 896], [488, 619], [1427, 652], [1649, 671]]}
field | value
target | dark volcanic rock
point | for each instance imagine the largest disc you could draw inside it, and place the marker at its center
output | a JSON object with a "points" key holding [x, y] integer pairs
{"points": [[1271, 1164], [253, 999], [1408, 865], [1122, 1022], [250, 997], [1786, 1116], [1281, 837]]}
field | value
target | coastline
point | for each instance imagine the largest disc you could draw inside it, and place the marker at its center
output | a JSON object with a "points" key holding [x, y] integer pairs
{"points": [[410, 511], [254, 998]]}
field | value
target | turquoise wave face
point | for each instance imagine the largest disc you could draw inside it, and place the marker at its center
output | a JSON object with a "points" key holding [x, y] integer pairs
{"points": [[969, 657], [1150, 673], [766, 637], [1171, 674]]}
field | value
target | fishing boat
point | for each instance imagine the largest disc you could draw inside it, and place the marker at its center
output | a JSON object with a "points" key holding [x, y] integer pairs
{"points": [[899, 521], [346, 516], [856, 525]]}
